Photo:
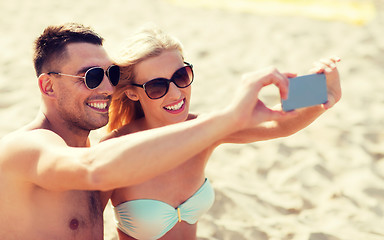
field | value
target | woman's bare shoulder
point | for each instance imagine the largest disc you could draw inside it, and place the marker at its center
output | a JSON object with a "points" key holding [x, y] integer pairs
{"points": [[132, 127]]}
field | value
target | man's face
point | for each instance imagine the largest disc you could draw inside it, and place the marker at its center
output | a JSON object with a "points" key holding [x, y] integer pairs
{"points": [[80, 107]]}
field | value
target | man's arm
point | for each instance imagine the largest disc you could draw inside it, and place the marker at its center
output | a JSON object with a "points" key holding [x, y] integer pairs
{"points": [[276, 129], [42, 158]]}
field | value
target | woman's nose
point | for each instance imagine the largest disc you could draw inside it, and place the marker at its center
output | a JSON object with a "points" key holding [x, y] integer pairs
{"points": [[173, 91]]}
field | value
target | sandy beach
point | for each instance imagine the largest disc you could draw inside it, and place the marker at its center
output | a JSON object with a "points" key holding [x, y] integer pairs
{"points": [[323, 183]]}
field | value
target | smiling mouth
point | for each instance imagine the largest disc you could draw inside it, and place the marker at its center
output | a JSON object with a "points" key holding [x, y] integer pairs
{"points": [[99, 106], [175, 107]]}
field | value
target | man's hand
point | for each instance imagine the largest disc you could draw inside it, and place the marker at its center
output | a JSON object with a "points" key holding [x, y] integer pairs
{"points": [[249, 110]]}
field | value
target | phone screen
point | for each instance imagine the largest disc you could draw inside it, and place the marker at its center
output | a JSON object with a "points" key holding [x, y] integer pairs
{"points": [[305, 91]]}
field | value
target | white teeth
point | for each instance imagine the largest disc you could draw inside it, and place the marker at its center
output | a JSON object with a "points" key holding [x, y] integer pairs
{"points": [[175, 107], [98, 105]]}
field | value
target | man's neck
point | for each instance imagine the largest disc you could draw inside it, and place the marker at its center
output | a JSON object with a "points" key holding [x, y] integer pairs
{"points": [[73, 137]]}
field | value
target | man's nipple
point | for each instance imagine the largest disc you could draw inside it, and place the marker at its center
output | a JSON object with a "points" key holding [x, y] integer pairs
{"points": [[74, 224]]}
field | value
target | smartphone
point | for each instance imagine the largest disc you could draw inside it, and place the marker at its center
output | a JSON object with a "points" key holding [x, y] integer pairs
{"points": [[305, 91]]}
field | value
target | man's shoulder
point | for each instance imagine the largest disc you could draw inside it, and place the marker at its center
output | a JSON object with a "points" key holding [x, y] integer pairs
{"points": [[29, 135], [23, 142]]}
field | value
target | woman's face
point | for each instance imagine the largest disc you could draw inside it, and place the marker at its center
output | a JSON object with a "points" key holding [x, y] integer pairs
{"points": [[174, 106]]}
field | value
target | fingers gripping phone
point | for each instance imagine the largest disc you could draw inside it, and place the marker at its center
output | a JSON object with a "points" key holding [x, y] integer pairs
{"points": [[305, 91]]}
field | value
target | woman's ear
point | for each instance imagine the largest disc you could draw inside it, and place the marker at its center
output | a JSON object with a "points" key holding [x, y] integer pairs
{"points": [[46, 85], [131, 94]]}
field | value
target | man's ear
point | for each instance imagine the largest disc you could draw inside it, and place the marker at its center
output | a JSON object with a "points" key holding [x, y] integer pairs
{"points": [[46, 85], [131, 94]]}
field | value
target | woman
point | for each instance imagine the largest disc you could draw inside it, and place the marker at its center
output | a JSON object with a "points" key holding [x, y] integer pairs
{"points": [[154, 91]]}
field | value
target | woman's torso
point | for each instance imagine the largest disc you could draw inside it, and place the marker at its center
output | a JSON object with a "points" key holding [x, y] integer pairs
{"points": [[172, 188]]}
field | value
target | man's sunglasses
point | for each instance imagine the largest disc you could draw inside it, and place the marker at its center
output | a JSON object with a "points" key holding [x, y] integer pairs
{"points": [[94, 76], [158, 87]]}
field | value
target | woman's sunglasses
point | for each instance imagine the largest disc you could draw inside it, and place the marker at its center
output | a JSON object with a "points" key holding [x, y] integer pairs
{"points": [[94, 76], [158, 87]]}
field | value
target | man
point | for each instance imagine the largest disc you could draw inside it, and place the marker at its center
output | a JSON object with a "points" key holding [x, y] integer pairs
{"points": [[49, 174]]}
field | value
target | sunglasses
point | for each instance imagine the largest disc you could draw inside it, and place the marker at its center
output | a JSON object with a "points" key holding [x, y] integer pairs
{"points": [[94, 76], [158, 87]]}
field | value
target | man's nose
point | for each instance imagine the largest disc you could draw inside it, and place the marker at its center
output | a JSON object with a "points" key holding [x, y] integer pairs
{"points": [[106, 86]]}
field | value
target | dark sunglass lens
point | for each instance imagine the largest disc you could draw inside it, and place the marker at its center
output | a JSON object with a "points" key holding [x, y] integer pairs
{"points": [[183, 77], [94, 77], [114, 74], [156, 88]]}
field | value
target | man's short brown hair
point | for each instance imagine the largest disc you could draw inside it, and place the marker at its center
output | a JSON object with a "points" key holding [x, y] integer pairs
{"points": [[50, 46]]}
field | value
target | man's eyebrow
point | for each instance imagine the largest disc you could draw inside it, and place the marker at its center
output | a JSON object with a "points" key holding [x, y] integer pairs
{"points": [[84, 69]]}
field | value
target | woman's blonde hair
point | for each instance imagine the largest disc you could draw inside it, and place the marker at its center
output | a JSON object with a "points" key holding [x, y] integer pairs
{"points": [[148, 42]]}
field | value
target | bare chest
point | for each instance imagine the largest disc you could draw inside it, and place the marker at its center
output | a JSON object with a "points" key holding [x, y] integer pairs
{"points": [[82, 215], [62, 215]]}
